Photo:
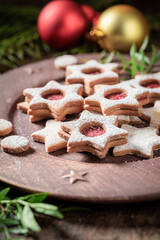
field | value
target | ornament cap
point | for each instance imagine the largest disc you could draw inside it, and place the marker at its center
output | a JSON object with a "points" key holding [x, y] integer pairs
{"points": [[96, 34]]}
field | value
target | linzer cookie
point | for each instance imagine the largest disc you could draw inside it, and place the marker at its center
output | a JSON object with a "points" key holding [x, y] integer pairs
{"points": [[93, 133], [49, 136], [5, 127], [53, 100], [120, 99], [62, 62], [15, 144], [151, 82], [92, 73], [141, 142], [152, 114]]}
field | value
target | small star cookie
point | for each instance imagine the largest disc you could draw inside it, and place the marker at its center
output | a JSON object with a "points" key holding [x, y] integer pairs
{"points": [[93, 133], [92, 73], [141, 142], [49, 136]]}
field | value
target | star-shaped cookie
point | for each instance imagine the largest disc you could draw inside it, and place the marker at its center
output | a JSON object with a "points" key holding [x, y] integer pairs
{"points": [[151, 82], [152, 114], [49, 136], [92, 73], [58, 99], [93, 133], [120, 99], [141, 142]]}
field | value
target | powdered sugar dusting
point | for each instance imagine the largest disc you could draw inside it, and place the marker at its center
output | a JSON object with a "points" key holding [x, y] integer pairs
{"points": [[141, 140], [125, 87], [147, 78], [123, 118], [50, 134], [135, 120], [78, 72], [14, 142], [153, 114], [108, 124], [5, 124], [70, 94], [64, 61]]}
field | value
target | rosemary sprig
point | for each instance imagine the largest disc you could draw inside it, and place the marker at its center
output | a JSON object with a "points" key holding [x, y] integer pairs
{"points": [[17, 215], [138, 62]]}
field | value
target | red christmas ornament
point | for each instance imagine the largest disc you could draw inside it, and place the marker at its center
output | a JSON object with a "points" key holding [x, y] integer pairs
{"points": [[91, 15], [62, 24]]}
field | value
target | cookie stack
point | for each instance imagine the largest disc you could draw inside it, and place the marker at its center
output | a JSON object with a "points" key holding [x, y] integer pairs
{"points": [[93, 133], [111, 105], [92, 73], [52, 101]]}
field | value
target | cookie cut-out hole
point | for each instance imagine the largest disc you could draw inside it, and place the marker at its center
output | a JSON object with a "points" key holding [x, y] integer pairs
{"points": [[92, 71], [116, 95], [92, 131], [152, 83], [57, 95]]}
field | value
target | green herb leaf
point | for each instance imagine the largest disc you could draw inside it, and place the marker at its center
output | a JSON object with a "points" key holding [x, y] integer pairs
{"points": [[133, 60], [101, 56], [152, 59], [142, 62], [3, 193], [18, 230], [139, 57], [28, 220], [69, 209], [47, 209], [132, 49], [35, 197], [1, 230], [110, 57], [9, 221], [144, 44], [157, 58], [122, 58]]}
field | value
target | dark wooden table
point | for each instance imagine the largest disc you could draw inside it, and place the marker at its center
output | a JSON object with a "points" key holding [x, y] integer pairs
{"points": [[138, 221]]}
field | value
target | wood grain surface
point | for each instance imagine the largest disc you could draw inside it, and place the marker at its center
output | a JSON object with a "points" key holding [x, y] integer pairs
{"points": [[120, 179]]}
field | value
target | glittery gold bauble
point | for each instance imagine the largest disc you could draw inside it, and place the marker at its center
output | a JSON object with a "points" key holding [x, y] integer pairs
{"points": [[120, 26]]}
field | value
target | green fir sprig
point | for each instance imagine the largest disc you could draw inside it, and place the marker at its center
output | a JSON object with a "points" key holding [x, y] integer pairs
{"points": [[139, 62], [19, 38]]}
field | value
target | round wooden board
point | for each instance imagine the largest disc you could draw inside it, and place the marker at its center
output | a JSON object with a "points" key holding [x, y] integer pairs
{"points": [[121, 179]]}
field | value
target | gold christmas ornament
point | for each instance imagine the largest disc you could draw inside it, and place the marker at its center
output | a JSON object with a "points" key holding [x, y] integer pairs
{"points": [[120, 26]]}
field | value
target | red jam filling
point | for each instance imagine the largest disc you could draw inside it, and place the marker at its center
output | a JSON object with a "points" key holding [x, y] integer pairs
{"points": [[152, 85], [93, 131], [116, 96], [54, 96]]}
